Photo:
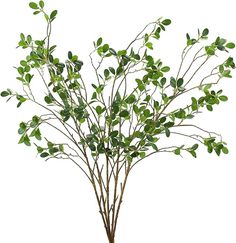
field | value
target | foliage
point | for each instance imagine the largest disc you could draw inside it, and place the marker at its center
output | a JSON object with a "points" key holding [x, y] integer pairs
{"points": [[129, 112]]}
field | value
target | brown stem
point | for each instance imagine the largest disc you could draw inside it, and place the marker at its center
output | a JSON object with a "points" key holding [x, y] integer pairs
{"points": [[121, 199]]}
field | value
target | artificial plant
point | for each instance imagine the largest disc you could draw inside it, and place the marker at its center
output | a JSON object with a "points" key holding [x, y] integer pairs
{"points": [[110, 125]]}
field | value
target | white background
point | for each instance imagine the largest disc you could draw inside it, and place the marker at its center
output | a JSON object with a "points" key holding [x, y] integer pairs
{"points": [[168, 199]]}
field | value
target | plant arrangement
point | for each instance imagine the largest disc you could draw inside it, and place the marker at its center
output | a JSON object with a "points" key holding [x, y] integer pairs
{"points": [[109, 126]]}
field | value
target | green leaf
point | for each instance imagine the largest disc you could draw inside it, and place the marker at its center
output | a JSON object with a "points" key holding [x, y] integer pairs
{"points": [[195, 146], [119, 70], [22, 128], [105, 47], [20, 70], [210, 50], [99, 110], [5, 93], [53, 14], [207, 87], [92, 147], [162, 119], [141, 87], [21, 139], [163, 81], [223, 98], [148, 97], [166, 22], [25, 139], [19, 104], [167, 132], [21, 99], [23, 125], [135, 154], [194, 104], [172, 82], [189, 116], [121, 53], [124, 113], [221, 68], [28, 77], [165, 69], [112, 70], [44, 155], [35, 121], [41, 4], [220, 41], [23, 63], [29, 39], [226, 74], [205, 32], [46, 17], [188, 37], [149, 45], [225, 150], [22, 36], [209, 107], [36, 12], [37, 134], [218, 151], [177, 151], [53, 150], [146, 113], [21, 131], [114, 134], [154, 146], [112, 51], [229, 62], [100, 148], [48, 99], [193, 153], [221, 48], [131, 99], [61, 148], [150, 60], [147, 128], [106, 73], [169, 124], [70, 55], [136, 109], [142, 155], [137, 57], [180, 114], [33, 5], [180, 82], [99, 41], [230, 45], [156, 105], [40, 149]]}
